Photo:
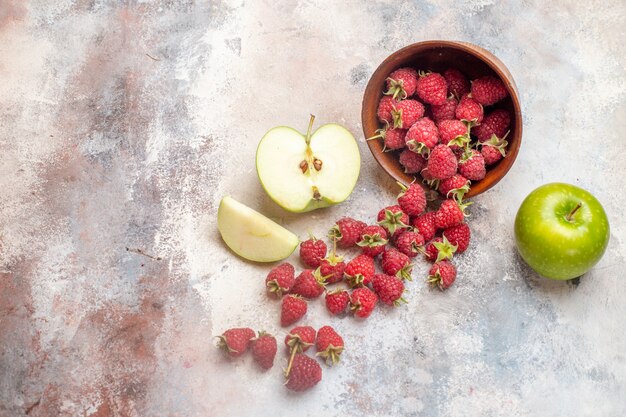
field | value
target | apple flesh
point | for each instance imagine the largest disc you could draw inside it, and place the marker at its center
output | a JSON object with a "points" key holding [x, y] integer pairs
{"points": [[561, 231], [251, 235], [306, 172]]}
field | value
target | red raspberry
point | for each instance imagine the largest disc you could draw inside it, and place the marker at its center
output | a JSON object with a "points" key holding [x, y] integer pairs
{"points": [[472, 166], [393, 139], [300, 338], [458, 235], [392, 218], [292, 309], [388, 288], [402, 83], [412, 199], [438, 249], [385, 106], [362, 302], [360, 270], [442, 162], [456, 186], [411, 161], [347, 232], [280, 279], [406, 113], [442, 274], [495, 123], [454, 133], [331, 268], [235, 341], [410, 243], [425, 225], [458, 84], [304, 373], [422, 136], [469, 110], [488, 90], [445, 111], [264, 350], [312, 251], [432, 88], [493, 150], [309, 284], [450, 214], [373, 240], [337, 301], [396, 263], [329, 344]]}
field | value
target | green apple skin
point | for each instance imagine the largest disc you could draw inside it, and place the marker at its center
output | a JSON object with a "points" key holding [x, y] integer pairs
{"points": [[554, 246]]}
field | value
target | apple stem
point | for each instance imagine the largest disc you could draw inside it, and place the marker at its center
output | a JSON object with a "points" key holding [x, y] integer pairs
{"points": [[308, 132], [571, 213]]}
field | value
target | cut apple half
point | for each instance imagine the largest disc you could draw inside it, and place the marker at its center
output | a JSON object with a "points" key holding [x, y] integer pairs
{"points": [[251, 235], [305, 172]]}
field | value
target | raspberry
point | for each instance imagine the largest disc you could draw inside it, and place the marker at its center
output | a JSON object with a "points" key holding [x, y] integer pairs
{"points": [[360, 270], [346, 232], [442, 274], [280, 279], [412, 199], [406, 113], [432, 88], [388, 288], [454, 187], [458, 235], [331, 268], [329, 344], [442, 162], [373, 240], [472, 166], [396, 263], [454, 133], [402, 83], [312, 251], [362, 302], [495, 123], [411, 161], [309, 284], [445, 111], [304, 373], [450, 214], [393, 139], [438, 249], [300, 338], [385, 106], [392, 218], [337, 301], [422, 136], [235, 341], [410, 243], [493, 150], [458, 84], [488, 90], [469, 110], [292, 309], [264, 350], [425, 225]]}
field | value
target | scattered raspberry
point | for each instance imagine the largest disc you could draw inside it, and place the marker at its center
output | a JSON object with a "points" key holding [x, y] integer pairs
{"points": [[493, 150], [362, 302], [442, 162], [346, 232], [304, 373], [495, 123], [450, 214], [264, 349], [360, 271], [331, 268], [406, 113], [410, 243], [469, 110], [422, 136], [373, 240], [458, 84], [329, 344], [412, 199], [389, 289], [454, 187], [337, 301], [425, 225], [432, 88], [385, 106], [458, 235], [293, 309], [235, 341], [300, 338], [309, 284], [280, 279], [392, 218], [439, 249], [445, 111], [402, 83], [396, 263], [442, 274], [411, 161], [472, 166], [488, 90], [312, 251]]}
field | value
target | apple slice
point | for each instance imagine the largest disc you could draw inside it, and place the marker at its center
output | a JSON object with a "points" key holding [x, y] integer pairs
{"points": [[303, 173], [251, 235]]}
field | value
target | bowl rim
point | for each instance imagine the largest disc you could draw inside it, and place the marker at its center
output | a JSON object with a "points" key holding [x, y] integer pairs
{"points": [[492, 61]]}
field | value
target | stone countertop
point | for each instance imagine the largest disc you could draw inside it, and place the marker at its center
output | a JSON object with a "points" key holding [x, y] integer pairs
{"points": [[122, 124]]}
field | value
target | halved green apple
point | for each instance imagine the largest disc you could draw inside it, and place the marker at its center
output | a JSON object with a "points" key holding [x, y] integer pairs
{"points": [[251, 235], [305, 172]]}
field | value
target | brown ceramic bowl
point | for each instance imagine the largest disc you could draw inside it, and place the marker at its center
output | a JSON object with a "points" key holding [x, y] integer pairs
{"points": [[437, 56]]}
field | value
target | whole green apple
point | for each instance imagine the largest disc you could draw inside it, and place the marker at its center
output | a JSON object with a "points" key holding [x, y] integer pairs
{"points": [[561, 231]]}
